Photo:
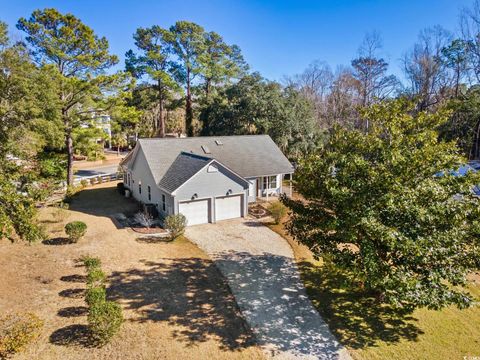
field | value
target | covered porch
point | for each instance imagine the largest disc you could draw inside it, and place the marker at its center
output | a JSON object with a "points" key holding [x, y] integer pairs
{"points": [[269, 187]]}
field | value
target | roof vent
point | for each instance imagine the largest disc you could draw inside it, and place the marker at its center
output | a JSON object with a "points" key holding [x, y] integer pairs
{"points": [[205, 149], [218, 142]]}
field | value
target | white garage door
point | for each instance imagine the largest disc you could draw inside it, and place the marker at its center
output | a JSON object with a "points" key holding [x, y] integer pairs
{"points": [[228, 207], [196, 212]]}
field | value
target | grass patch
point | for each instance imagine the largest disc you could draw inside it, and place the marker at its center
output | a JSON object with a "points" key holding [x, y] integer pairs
{"points": [[373, 331]]}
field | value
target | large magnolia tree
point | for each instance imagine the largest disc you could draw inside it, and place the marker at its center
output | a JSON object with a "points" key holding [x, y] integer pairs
{"points": [[384, 206]]}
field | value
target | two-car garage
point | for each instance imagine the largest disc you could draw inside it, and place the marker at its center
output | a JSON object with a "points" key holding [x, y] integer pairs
{"points": [[201, 211]]}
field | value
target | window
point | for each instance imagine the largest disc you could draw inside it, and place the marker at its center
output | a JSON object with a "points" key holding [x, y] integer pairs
{"points": [[270, 182], [149, 193], [164, 203], [139, 187]]}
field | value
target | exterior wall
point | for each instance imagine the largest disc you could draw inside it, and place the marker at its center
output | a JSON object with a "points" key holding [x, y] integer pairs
{"points": [[208, 185], [140, 172]]}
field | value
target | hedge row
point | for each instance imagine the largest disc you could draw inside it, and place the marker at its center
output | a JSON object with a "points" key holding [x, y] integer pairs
{"points": [[104, 317]]}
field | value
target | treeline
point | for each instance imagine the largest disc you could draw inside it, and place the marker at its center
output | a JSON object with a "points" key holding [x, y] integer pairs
{"points": [[183, 79], [440, 70]]}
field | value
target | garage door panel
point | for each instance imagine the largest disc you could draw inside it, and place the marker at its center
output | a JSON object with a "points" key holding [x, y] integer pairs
{"points": [[229, 207], [196, 212]]}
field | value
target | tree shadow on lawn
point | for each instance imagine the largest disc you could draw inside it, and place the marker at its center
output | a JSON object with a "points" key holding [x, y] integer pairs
{"points": [[76, 278], [73, 335], [104, 201], [73, 311], [187, 292], [58, 241], [355, 318]]}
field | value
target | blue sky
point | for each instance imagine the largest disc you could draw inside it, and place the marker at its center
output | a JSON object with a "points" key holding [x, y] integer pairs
{"points": [[277, 37]]}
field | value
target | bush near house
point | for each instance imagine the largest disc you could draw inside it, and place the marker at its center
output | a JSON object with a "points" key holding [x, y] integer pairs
{"points": [[75, 230], [121, 188], [175, 224], [278, 211], [16, 331]]}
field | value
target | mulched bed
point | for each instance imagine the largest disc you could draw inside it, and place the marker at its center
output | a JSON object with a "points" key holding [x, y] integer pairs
{"points": [[152, 230], [258, 211]]}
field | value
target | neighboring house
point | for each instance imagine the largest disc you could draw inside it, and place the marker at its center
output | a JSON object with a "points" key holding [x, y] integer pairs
{"points": [[205, 178]]}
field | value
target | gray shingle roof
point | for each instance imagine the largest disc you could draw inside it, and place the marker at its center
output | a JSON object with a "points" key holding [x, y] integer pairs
{"points": [[247, 155], [183, 168]]}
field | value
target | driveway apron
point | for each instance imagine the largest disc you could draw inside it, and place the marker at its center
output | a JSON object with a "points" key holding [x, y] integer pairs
{"points": [[261, 271]]}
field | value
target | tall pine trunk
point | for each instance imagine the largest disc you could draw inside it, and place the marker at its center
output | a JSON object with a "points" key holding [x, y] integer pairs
{"points": [[69, 147], [188, 108]]}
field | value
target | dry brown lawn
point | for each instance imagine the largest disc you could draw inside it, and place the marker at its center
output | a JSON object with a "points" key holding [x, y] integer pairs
{"points": [[176, 303]]}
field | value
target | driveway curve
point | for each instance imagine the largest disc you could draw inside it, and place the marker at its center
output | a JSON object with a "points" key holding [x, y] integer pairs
{"points": [[261, 271]]}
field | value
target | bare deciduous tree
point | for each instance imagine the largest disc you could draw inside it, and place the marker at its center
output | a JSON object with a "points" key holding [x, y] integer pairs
{"points": [[430, 80]]}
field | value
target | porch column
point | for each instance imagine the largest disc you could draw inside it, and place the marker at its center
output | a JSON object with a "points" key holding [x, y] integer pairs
{"points": [[291, 188], [268, 185]]}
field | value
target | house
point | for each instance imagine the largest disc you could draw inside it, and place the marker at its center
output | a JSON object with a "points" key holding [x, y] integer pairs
{"points": [[207, 179]]}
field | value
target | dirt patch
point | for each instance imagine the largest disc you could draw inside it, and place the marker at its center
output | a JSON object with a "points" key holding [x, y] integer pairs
{"points": [[176, 304]]}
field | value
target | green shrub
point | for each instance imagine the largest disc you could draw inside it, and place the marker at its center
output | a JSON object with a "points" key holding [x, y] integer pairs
{"points": [[104, 319], [95, 295], [278, 211], [91, 262], [16, 331], [84, 183], [99, 180], [96, 277], [121, 188], [175, 224], [75, 230], [92, 181]]}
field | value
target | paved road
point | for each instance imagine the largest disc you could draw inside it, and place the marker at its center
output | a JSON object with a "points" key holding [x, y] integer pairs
{"points": [[100, 170], [265, 281]]}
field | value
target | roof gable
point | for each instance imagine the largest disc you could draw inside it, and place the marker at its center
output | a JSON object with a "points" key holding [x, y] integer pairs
{"points": [[247, 155], [183, 168]]}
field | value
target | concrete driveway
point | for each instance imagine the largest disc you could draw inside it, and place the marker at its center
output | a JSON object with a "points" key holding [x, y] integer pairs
{"points": [[261, 272]]}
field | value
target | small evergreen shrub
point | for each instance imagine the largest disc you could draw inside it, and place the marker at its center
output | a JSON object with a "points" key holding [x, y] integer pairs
{"points": [[84, 183], [91, 262], [95, 295], [96, 277], [175, 224], [121, 188], [278, 211], [75, 230], [99, 180], [92, 181], [16, 331], [104, 319]]}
